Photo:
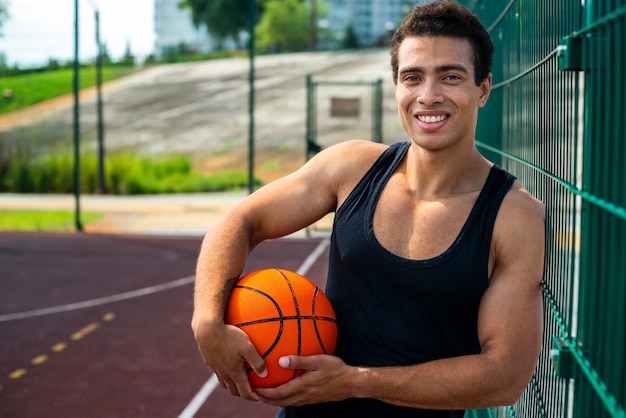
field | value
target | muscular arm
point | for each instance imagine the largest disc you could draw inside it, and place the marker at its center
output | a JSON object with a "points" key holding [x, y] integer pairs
{"points": [[509, 327], [280, 208]]}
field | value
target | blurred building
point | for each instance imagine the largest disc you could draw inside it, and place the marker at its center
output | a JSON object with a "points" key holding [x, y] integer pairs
{"points": [[174, 31], [372, 21]]}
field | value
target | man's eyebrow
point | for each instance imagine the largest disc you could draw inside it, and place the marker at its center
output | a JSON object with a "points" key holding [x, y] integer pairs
{"points": [[439, 69], [412, 70], [452, 67]]}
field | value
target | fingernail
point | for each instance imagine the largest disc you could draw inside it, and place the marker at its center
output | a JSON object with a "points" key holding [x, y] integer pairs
{"points": [[263, 374], [283, 362]]}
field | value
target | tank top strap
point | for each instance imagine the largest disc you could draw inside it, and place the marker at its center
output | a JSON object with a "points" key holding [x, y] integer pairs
{"points": [[372, 183], [487, 205]]}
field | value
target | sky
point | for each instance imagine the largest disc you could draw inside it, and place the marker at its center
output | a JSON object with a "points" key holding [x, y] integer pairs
{"points": [[38, 30]]}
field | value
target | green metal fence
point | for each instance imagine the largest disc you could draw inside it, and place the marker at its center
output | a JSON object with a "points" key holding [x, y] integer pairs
{"points": [[337, 110], [556, 119]]}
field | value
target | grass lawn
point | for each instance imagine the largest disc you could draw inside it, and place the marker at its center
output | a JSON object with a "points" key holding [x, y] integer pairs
{"points": [[25, 90], [42, 221]]}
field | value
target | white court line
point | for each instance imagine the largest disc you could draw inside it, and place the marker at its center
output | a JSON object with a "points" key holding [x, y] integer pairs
{"points": [[208, 388], [198, 400], [99, 301], [312, 258]]}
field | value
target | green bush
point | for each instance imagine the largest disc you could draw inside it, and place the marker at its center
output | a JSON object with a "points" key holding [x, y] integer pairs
{"points": [[124, 175]]}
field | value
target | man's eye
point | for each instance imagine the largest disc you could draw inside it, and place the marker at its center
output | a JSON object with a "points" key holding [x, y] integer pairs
{"points": [[411, 79], [452, 77]]}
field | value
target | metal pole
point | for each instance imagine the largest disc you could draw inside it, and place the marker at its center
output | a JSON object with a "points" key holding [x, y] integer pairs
{"points": [[309, 120], [77, 222], [251, 24], [313, 27], [101, 178], [378, 109]]}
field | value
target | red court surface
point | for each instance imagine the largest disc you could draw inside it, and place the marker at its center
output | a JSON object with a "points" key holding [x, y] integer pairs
{"points": [[98, 325]]}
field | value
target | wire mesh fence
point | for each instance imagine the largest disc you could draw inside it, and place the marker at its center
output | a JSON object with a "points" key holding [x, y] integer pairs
{"points": [[555, 119]]}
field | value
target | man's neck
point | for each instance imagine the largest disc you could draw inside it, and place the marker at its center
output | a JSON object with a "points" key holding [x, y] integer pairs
{"points": [[436, 174]]}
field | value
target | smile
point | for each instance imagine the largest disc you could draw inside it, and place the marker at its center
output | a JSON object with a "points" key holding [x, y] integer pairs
{"points": [[432, 119]]}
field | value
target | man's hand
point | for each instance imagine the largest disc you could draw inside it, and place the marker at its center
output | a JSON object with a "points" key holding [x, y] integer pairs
{"points": [[326, 379], [227, 350]]}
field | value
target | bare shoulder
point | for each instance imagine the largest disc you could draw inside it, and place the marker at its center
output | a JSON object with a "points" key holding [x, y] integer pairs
{"points": [[344, 164], [353, 152], [520, 205], [519, 234]]}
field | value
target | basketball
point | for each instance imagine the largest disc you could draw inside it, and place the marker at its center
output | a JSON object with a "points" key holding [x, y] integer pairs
{"points": [[283, 313]]}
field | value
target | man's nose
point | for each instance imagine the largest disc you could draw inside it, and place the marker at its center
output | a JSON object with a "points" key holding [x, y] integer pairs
{"points": [[430, 93]]}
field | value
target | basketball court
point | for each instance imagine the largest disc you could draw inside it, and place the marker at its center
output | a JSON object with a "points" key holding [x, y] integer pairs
{"points": [[98, 325]]}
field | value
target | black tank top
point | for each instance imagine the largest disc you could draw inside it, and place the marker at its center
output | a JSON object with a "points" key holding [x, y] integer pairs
{"points": [[394, 311]]}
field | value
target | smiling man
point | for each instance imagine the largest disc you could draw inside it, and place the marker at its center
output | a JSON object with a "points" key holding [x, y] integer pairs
{"points": [[434, 268]]}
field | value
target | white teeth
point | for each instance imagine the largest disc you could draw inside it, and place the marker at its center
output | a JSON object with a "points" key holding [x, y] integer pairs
{"points": [[432, 119]]}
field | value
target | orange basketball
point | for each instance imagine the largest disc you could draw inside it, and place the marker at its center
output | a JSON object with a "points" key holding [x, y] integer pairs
{"points": [[283, 313]]}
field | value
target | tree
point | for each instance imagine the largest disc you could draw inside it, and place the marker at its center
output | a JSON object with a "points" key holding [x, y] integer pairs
{"points": [[351, 39], [284, 26], [4, 13], [104, 53], [223, 18], [128, 58]]}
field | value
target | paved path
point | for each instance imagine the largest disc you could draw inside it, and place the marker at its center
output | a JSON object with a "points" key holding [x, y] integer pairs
{"points": [[190, 214], [183, 214]]}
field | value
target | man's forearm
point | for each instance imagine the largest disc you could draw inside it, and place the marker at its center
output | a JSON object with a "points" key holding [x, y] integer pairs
{"points": [[467, 382], [220, 263]]}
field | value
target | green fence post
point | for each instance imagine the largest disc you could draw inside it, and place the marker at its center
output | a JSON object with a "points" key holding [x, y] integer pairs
{"points": [[377, 107], [76, 135], [251, 24], [311, 147]]}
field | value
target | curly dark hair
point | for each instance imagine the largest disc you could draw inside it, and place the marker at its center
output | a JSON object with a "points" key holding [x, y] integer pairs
{"points": [[446, 18]]}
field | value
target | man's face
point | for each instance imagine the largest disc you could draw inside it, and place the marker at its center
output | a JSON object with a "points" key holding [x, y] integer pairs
{"points": [[437, 97]]}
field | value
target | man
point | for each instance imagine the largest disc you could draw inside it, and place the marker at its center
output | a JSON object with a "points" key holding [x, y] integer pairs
{"points": [[436, 255]]}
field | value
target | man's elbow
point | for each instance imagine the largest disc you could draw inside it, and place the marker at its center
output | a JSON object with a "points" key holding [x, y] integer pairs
{"points": [[513, 389], [512, 396]]}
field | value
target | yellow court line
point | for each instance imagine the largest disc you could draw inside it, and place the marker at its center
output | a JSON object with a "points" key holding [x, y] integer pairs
{"points": [[16, 374], [39, 360], [60, 346]]}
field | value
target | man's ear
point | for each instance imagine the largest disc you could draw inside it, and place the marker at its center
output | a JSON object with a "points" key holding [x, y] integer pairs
{"points": [[485, 90]]}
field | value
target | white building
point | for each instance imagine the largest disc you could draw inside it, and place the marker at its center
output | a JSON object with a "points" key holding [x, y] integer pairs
{"points": [[372, 20], [174, 30]]}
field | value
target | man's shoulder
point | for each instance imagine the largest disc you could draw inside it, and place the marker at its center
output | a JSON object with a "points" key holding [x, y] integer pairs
{"points": [[353, 156], [359, 149], [345, 163], [520, 224], [520, 203]]}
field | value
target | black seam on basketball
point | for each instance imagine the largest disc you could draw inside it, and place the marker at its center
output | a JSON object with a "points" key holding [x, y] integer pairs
{"points": [[298, 319], [280, 319], [317, 331], [286, 318]]}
